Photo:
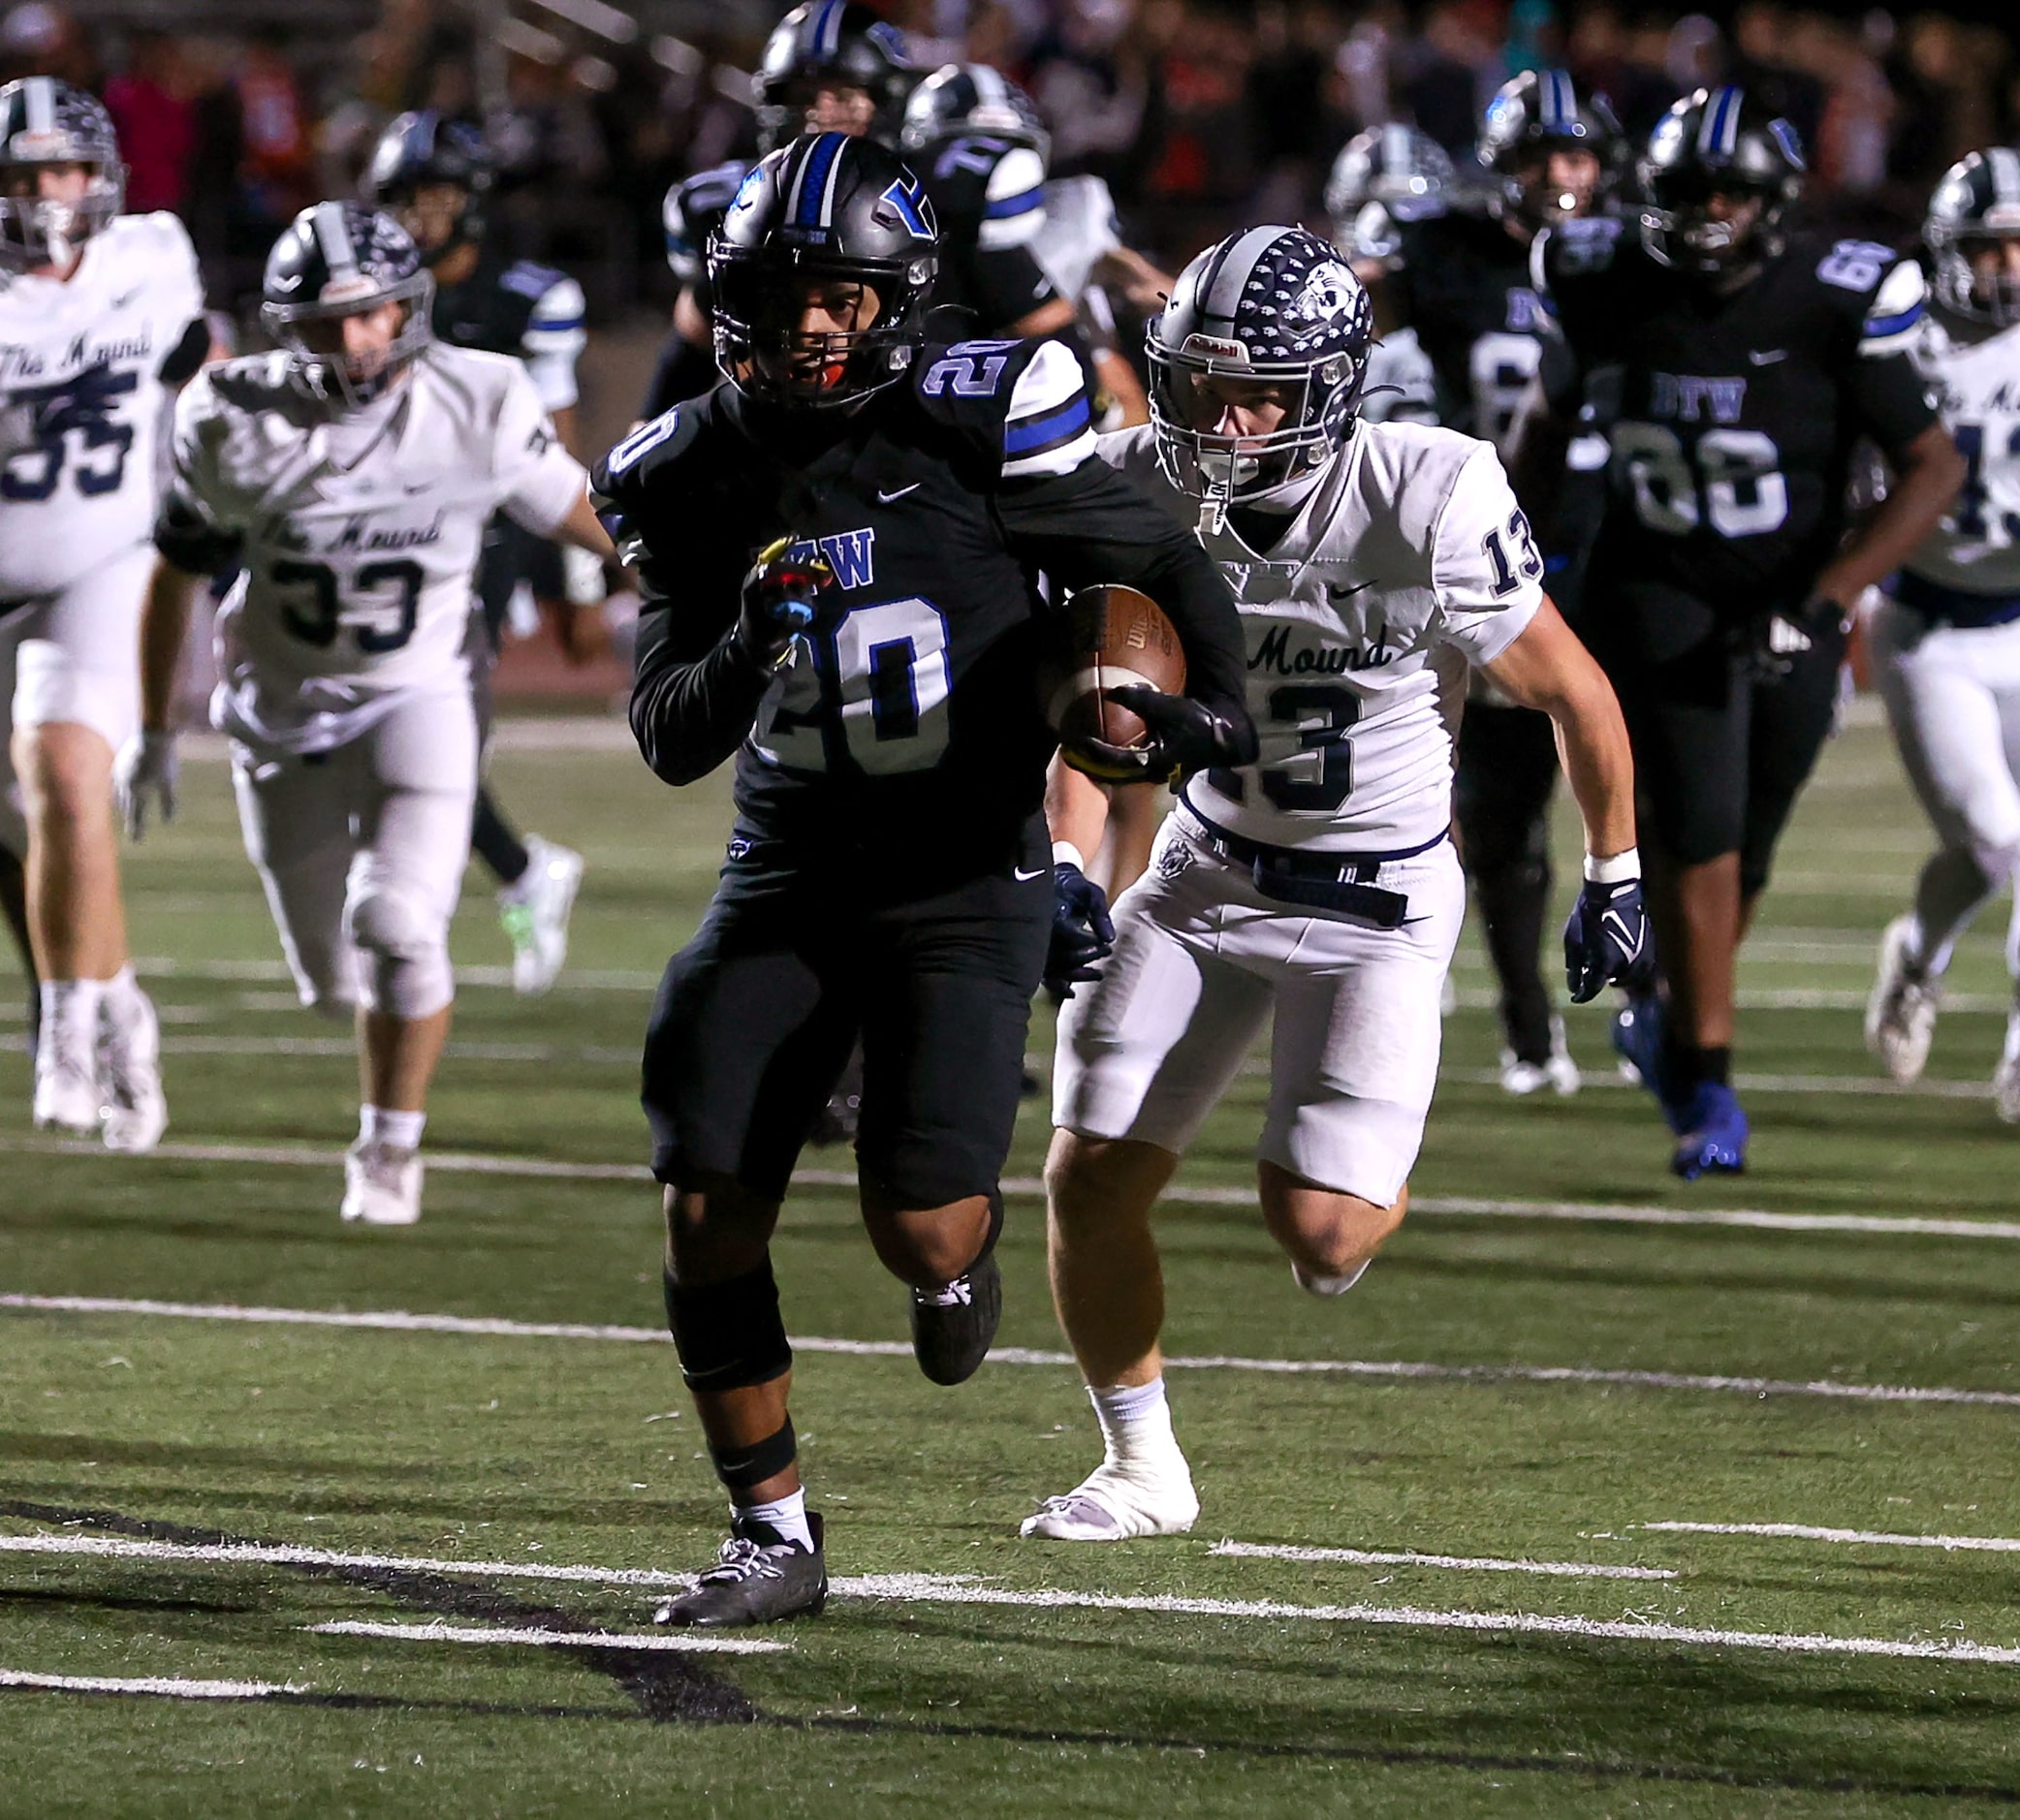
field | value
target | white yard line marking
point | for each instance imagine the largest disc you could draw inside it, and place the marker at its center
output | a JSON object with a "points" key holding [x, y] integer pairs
{"points": [[685, 1642], [167, 1685], [400, 1321], [1461, 1563], [466, 1163], [1810, 1532], [933, 1589], [281, 1555], [927, 1589], [1863, 1084]]}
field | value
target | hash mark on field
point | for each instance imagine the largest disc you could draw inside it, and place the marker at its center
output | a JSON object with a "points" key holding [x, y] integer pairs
{"points": [[399, 1321], [685, 1642], [1810, 1532], [1462, 1563], [171, 1687], [928, 1588]]}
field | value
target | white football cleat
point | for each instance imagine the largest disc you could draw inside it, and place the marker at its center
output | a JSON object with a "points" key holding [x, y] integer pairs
{"points": [[1115, 1503], [129, 1075], [66, 1083], [2005, 1078], [1901, 1012], [381, 1185], [534, 911], [1559, 1073]]}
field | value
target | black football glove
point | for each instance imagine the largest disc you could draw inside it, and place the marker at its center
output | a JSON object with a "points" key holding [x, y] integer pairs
{"points": [[1782, 639], [1607, 941], [1083, 936], [1186, 737], [778, 600]]}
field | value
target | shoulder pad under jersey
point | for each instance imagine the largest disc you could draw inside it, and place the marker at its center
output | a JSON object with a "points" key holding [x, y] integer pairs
{"points": [[1023, 405], [650, 457]]}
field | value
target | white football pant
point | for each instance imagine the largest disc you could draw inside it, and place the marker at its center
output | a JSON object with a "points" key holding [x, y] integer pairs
{"points": [[76, 656]]}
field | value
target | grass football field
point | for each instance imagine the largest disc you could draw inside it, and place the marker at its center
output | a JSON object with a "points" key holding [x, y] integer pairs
{"points": [[1600, 1495]]}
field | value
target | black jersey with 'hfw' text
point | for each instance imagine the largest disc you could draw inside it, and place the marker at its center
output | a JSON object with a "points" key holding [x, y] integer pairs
{"points": [[1738, 410], [907, 721]]}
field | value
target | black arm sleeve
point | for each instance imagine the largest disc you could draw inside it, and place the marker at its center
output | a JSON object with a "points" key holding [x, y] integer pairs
{"points": [[692, 701], [187, 355], [1890, 399], [1091, 526], [191, 542]]}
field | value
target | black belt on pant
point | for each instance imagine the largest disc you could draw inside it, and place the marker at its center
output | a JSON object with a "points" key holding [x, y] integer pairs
{"points": [[1338, 882]]}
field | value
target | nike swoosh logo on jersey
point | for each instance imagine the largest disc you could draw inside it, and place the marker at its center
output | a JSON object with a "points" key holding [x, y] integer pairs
{"points": [[120, 303], [896, 492], [1766, 358], [1338, 594], [1024, 878]]}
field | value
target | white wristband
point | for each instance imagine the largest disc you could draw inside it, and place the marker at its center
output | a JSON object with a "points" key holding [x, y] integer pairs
{"points": [[1065, 853], [1616, 868]]}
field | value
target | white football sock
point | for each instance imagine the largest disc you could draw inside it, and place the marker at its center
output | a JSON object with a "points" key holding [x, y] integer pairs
{"points": [[400, 1131], [123, 996], [785, 1516], [1136, 1424], [71, 1007]]}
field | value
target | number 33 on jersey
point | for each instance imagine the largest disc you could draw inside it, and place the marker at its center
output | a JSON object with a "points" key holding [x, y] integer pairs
{"points": [[356, 532]]}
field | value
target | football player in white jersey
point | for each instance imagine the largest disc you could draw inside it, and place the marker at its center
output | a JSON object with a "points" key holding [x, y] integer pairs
{"points": [[349, 476], [99, 314], [1946, 642], [1316, 889]]}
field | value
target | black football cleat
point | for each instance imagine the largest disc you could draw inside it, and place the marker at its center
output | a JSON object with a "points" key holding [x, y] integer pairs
{"points": [[952, 1328], [758, 1579]]}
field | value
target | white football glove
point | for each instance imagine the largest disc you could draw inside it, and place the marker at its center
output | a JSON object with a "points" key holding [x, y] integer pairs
{"points": [[582, 576], [146, 765]]}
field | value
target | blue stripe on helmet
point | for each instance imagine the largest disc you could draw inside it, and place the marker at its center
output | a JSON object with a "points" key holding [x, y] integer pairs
{"points": [[1558, 107], [813, 177], [1723, 129]]}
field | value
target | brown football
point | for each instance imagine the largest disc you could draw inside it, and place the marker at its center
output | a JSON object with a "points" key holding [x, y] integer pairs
{"points": [[1114, 637]]}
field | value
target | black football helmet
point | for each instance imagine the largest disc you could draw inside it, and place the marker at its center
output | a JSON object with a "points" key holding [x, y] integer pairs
{"points": [[1267, 303], [1718, 141], [693, 211], [46, 121], [420, 151], [837, 43], [827, 207], [972, 98], [338, 259], [1386, 174], [1976, 204], [1533, 114]]}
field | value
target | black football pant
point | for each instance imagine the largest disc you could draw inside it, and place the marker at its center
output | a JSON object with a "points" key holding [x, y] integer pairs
{"points": [[1507, 767], [756, 1017]]}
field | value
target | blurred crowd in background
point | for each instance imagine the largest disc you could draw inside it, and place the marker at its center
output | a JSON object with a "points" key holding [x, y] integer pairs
{"points": [[1199, 114]]}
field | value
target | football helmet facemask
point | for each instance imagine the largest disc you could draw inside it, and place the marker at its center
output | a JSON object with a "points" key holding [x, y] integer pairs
{"points": [[1717, 142], [828, 208], [339, 260], [44, 121], [1976, 206], [1273, 304], [972, 98]]}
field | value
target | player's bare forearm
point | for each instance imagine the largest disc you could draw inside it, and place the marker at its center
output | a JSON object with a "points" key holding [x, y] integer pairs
{"points": [[1075, 808], [1538, 441], [1048, 319], [1547, 668], [164, 626], [1926, 475], [583, 528], [567, 421], [1119, 381]]}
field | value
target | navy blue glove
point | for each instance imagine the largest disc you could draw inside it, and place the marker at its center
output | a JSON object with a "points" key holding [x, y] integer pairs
{"points": [[1607, 941], [1082, 934], [1186, 736]]}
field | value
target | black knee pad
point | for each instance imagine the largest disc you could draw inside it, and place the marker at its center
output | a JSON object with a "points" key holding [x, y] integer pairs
{"points": [[729, 1335], [743, 1468]]}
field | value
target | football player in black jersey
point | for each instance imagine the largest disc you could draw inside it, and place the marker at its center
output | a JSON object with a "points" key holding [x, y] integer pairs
{"points": [[432, 175], [1748, 359], [838, 552], [1548, 151]]}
